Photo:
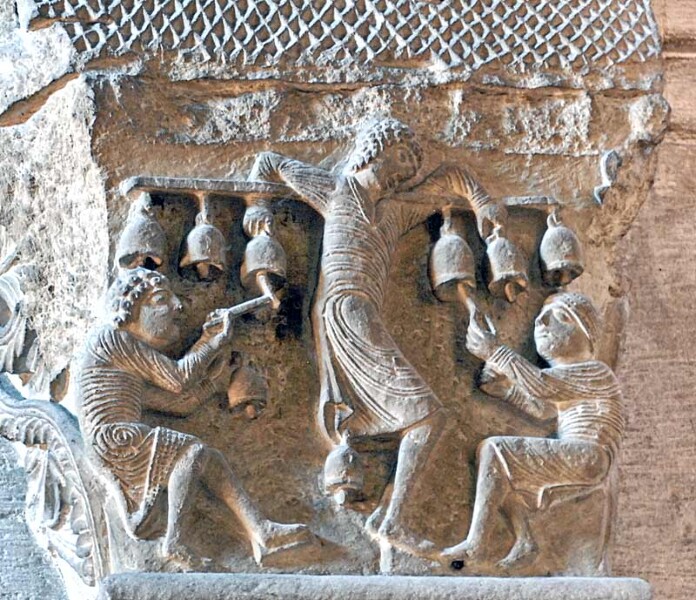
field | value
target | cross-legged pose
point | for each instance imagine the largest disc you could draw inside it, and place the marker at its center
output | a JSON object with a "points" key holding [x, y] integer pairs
{"points": [[517, 475], [368, 388], [122, 359]]}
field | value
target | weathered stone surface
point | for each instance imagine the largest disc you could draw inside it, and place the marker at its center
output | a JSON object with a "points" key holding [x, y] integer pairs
{"points": [[53, 207], [261, 587], [563, 128], [25, 571]]}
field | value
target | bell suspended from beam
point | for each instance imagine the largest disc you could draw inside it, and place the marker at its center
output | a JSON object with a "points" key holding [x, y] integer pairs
{"points": [[452, 264], [560, 254], [206, 247], [508, 267], [143, 242], [265, 265]]}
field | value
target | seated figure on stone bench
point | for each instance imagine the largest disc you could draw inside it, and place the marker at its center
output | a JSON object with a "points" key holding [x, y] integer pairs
{"points": [[520, 475], [125, 357]]}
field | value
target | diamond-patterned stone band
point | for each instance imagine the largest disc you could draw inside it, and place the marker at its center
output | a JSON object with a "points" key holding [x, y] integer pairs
{"points": [[454, 33]]}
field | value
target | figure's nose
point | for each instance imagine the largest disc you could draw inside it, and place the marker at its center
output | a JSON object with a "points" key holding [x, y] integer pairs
{"points": [[178, 306]]}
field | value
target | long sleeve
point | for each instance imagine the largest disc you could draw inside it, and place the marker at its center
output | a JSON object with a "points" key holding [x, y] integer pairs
{"points": [[533, 390], [313, 184], [454, 186], [156, 368]]}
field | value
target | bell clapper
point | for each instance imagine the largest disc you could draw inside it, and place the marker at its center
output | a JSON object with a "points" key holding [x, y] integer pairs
{"points": [[205, 244], [465, 295], [264, 282]]}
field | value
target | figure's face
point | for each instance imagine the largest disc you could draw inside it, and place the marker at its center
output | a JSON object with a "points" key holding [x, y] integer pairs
{"points": [[558, 337], [390, 167], [157, 319]]}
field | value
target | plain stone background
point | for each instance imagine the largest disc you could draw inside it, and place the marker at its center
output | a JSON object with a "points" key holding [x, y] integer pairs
{"points": [[656, 533], [657, 512]]}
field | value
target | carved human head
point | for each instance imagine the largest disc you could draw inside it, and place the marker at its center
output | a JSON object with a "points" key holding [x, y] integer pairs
{"points": [[567, 329], [389, 149], [142, 302]]}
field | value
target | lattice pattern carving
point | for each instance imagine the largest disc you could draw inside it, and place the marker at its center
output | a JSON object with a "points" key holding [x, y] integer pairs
{"points": [[456, 33]]}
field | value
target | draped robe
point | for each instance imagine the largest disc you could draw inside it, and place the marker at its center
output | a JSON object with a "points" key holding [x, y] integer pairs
{"points": [[362, 371]]}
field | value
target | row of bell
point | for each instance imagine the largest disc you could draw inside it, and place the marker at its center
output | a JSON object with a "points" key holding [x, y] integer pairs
{"points": [[452, 261], [143, 243]]}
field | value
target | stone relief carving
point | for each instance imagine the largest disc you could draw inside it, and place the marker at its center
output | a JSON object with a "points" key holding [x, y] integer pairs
{"points": [[124, 356], [517, 475], [368, 388], [370, 396], [456, 34]]}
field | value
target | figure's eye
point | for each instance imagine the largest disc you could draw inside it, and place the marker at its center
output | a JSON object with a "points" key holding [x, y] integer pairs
{"points": [[564, 317]]}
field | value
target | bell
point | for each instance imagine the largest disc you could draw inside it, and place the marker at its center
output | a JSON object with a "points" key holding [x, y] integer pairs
{"points": [[263, 255], [142, 242], [205, 248], [451, 262], [343, 474], [247, 392], [560, 254], [508, 267]]}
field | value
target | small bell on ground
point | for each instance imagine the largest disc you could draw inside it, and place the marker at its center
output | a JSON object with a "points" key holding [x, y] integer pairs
{"points": [[247, 393], [451, 263], [263, 255], [143, 242], [508, 267], [560, 254], [205, 248], [343, 474]]}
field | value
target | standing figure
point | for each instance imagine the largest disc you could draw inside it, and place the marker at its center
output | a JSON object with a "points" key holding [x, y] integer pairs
{"points": [[122, 365], [368, 388], [517, 475]]}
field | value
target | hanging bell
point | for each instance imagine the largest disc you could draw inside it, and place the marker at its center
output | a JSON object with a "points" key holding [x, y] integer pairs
{"points": [[451, 262], [508, 267], [560, 254], [142, 242], [343, 474], [205, 248], [263, 255]]}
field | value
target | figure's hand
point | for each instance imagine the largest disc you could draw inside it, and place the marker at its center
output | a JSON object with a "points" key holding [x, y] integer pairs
{"points": [[489, 216], [218, 329], [493, 383], [258, 220], [481, 339]]}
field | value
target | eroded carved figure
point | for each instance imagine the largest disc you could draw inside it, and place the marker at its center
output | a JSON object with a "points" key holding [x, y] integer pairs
{"points": [[368, 388], [123, 370], [520, 475]]}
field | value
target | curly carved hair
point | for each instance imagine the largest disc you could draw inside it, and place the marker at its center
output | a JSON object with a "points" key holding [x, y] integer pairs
{"points": [[131, 285], [378, 134]]}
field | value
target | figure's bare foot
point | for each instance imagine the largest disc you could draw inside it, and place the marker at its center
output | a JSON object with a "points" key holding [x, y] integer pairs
{"points": [[406, 541], [279, 537], [374, 521], [181, 559], [522, 553], [465, 554]]}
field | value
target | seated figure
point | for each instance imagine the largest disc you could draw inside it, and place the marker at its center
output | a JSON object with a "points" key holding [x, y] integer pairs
{"points": [[123, 357], [519, 475]]}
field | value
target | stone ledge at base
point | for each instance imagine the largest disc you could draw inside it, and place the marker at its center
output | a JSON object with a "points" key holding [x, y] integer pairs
{"points": [[204, 586]]}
